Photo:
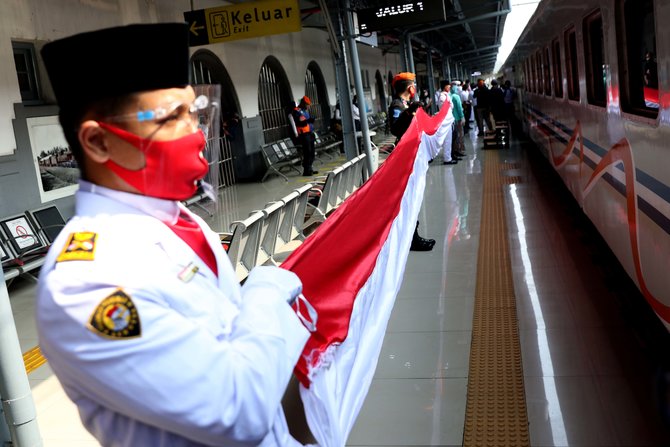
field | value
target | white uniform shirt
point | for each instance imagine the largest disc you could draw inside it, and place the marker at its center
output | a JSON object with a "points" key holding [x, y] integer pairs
{"points": [[355, 113], [212, 360], [444, 97], [465, 96]]}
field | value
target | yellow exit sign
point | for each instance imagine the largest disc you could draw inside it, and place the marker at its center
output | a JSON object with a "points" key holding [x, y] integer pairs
{"points": [[243, 21]]}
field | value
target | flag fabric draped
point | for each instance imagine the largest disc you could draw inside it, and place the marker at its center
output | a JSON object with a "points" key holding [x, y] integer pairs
{"points": [[352, 268]]}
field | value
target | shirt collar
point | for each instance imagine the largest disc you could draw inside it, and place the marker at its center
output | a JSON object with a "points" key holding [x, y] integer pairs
{"points": [[163, 210]]}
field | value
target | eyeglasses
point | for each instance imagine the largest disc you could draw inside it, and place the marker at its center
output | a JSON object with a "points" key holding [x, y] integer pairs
{"points": [[175, 109]]}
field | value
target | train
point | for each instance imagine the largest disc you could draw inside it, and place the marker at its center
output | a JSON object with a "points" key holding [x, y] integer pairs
{"points": [[593, 93]]}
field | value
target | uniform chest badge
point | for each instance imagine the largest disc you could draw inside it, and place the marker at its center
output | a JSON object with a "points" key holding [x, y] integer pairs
{"points": [[188, 272], [79, 247], [116, 317]]}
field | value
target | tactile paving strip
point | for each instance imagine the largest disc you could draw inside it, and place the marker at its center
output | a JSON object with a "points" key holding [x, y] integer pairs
{"points": [[508, 166], [495, 412], [33, 359], [510, 179]]}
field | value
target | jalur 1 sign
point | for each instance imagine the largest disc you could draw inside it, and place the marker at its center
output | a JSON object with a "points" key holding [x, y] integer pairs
{"points": [[243, 21], [399, 14]]}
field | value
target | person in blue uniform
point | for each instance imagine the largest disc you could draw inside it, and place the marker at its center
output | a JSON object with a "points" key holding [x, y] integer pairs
{"points": [[139, 312], [304, 124], [401, 113]]}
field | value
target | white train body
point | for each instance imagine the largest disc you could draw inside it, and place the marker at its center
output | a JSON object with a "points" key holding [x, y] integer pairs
{"points": [[607, 137]]}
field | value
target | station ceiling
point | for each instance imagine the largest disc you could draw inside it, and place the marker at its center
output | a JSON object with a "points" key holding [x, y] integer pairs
{"points": [[470, 35]]}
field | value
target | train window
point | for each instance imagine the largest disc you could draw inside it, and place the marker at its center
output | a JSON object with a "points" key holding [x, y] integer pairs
{"points": [[538, 72], [571, 64], [531, 69], [637, 51], [526, 75], [594, 55], [558, 72], [546, 72]]}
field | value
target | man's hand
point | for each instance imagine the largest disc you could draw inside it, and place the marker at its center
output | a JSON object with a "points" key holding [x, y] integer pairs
{"points": [[283, 280], [414, 106]]}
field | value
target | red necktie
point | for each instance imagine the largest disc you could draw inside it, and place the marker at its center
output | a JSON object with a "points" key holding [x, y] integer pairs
{"points": [[191, 233]]}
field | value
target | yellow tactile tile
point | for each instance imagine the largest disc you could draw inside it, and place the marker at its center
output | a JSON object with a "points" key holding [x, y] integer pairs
{"points": [[33, 359], [496, 403]]}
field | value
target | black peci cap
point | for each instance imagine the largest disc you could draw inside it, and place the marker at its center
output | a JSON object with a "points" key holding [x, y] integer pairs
{"points": [[117, 61]]}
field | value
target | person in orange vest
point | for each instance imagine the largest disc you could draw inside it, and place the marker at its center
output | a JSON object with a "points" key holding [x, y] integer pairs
{"points": [[305, 130]]}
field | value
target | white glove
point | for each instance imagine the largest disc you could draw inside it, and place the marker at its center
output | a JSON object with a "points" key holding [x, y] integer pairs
{"points": [[285, 282]]}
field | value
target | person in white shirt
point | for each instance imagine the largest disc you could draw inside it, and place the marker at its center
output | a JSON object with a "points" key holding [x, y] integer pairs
{"points": [[445, 97], [466, 99], [139, 311], [356, 114]]}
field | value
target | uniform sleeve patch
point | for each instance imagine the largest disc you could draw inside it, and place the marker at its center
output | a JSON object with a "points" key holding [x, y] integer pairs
{"points": [[396, 113], [116, 317], [79, 247]]}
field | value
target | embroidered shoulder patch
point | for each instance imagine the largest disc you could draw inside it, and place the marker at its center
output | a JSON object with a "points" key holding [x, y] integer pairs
{"points": [[79, 247], [116, 317]]}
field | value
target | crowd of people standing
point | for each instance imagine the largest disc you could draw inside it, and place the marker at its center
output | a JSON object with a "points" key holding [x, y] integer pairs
{"points": [[481, 105]]}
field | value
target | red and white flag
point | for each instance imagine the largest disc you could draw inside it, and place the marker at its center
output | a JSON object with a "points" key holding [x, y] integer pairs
{"points": [[352, 268]]}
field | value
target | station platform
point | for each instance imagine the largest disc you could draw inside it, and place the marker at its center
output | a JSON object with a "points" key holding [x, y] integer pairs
{"points": [[518, 328]]}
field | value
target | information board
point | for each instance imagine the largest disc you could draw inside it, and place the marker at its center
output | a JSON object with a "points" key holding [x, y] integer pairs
{"points": [[399, 14]]}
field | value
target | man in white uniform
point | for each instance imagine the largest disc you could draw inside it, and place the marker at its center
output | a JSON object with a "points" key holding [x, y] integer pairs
{"points": [[444, 98], [139, 312]]}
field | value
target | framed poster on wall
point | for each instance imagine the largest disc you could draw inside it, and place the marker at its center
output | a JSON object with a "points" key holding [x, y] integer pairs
{"points": [[56, 168]]}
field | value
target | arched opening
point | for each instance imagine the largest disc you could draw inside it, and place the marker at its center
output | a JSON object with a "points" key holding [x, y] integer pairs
{"points": [[207, 68], [275, 100], [381, 92], [315, 89], [390, 84]]}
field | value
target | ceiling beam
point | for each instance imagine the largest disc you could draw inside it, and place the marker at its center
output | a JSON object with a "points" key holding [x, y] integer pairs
{"points": [[490, 47], [489, 15]]}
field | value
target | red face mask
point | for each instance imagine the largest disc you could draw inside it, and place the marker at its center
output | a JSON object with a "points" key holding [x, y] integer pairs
{"points": [[171, 167]]}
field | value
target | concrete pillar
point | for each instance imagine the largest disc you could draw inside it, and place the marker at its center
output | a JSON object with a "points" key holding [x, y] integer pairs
{"points": [[18, 409], [358, 83]]}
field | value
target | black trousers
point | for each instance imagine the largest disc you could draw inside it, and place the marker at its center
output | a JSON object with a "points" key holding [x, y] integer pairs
{"points": [[306, 141]]}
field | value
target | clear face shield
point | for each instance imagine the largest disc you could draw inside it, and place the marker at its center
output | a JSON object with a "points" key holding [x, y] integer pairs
{"points": [[209, 122], [176, 134]]}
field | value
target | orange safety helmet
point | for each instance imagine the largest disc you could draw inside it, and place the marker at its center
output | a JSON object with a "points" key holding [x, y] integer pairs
{"points": [[306, 100]]}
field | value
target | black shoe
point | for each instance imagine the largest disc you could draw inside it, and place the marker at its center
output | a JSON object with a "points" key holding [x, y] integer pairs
{"points": [[314, 172], [450, 162], [421, 244], [431, 160], [307, 173], [480, 134]]}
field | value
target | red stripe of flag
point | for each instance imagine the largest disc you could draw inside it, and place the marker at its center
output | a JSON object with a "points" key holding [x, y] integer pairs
{"points": [[337, 259]]}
